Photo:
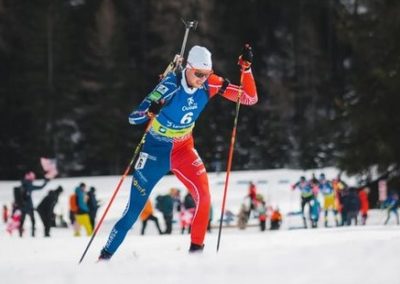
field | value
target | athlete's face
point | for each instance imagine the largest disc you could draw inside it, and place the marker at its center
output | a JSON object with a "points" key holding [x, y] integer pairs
{"points": [[197, 77]]}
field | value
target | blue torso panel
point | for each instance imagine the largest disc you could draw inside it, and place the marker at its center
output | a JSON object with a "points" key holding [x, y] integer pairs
{"points": [[182, 108]]}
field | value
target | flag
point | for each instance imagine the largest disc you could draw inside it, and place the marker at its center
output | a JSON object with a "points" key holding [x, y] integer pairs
{"points": [[50, 167]]}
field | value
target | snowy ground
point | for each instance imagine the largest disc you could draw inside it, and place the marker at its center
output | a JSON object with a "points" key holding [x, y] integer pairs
{"points": [[368, 254]]}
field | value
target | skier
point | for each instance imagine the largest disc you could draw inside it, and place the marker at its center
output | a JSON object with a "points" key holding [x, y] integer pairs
{"points": [[315, 209], [392, 204], [173, 107], [326, 188], [306, 195]]}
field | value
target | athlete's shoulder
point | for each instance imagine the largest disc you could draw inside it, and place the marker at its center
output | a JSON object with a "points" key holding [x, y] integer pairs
{"points": [[167, 86], [172, 79]]}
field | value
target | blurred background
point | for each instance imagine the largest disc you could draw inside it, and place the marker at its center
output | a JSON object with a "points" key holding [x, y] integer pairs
{"points": [[327, 74]]}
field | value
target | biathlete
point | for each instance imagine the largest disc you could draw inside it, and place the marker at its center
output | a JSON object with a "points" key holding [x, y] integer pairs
{"points": [[174, 106]]}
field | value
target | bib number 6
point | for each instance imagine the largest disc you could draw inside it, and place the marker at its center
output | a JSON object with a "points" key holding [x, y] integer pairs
{"points": [[187, 118]]}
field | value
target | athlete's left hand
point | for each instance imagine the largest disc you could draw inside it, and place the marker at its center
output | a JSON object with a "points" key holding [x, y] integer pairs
{"points": [[246, 58]]}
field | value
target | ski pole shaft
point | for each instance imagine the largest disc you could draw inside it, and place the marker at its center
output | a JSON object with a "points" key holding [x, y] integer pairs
{"points": [[230, 157], [189, 25]]}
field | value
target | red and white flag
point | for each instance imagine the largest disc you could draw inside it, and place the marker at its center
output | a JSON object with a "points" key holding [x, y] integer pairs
{"points": [[50, 167]]}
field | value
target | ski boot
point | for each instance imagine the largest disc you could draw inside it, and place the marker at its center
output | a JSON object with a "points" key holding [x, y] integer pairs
{"points": [[196, 248], [104, 256]]}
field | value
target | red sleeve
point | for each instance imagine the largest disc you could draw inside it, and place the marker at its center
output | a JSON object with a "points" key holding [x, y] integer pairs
{"points": [[249, 95]]}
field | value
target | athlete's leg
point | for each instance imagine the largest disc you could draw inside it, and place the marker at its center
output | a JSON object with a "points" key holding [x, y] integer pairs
{"points": [[190, 170], [153, 163]]}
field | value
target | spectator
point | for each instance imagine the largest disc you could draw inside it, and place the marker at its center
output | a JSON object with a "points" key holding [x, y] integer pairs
{"points": [[14, 222], [262, 214], [73, 208], [351, 205], [210, 219], [187, 213], [46, 209], [276, 219], [165, 204], [5, 214], [364, 204], [148, 214], [176, 196], [338, 187], [228, 217], [26, 203], [93, 205], [252, 195], [82, 215]]}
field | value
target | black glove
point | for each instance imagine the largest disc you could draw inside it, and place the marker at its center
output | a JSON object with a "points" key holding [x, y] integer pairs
{"points": [[247, 53], [155, 107], [246, 58]]}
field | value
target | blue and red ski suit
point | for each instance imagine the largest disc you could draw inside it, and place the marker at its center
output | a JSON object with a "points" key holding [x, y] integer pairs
{"points": [[169, 146]]}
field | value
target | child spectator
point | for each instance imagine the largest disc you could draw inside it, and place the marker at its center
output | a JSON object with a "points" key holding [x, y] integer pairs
{"points": [[276, 219], [14, 222]]}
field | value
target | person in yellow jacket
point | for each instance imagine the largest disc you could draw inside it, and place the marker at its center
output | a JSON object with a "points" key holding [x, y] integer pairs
{"points": [[82, 215], [146, 215]]}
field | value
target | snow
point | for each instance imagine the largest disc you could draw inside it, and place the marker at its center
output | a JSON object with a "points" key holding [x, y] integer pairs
{"points": [[362, 254]]}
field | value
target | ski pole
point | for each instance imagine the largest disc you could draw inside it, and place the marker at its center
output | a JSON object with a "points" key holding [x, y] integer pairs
{"points": [[230, 156], [175, 63]]}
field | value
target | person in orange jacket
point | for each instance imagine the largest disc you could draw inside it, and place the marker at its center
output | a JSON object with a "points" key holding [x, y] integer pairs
{"points": [[364, 204], [276, 219], [148, 214]]}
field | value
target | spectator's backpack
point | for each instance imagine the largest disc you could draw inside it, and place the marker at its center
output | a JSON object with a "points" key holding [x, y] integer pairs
{"points": [[73, 203]]}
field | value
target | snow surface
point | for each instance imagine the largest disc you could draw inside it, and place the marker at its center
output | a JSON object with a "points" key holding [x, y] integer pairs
{"points": [[368, 254]]}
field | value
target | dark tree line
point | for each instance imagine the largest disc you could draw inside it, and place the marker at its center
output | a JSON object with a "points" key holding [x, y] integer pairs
{"points": [[327, 75]]}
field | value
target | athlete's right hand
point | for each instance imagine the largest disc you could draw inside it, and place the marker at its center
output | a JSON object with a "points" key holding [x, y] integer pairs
{"points": [[154, 108]]}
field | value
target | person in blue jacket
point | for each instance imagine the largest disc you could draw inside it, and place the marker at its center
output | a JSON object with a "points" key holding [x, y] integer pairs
{"points": [[391, 205]]}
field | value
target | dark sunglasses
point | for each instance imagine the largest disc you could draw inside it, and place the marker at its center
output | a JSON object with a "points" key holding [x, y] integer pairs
{"points": [[201, 75]]}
